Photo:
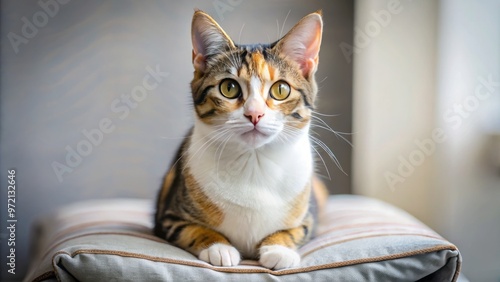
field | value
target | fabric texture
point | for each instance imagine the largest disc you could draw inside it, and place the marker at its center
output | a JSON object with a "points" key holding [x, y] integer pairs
{"points": [[359, 239]]}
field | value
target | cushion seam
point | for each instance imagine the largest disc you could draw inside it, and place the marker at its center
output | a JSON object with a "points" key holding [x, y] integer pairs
{"points": [[263, 270]]}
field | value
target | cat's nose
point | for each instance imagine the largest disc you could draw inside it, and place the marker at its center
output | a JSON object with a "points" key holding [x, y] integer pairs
{"points": [[254, 117], [254, 110]]}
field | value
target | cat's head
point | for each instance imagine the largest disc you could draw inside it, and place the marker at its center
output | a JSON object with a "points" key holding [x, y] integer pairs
{"points": [[255, 94]]}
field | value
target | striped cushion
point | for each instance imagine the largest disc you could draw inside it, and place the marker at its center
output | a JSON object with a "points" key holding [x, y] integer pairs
{"points": [[359, 239]]}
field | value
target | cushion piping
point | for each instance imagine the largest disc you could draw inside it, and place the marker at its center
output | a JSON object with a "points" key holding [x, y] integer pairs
{"points": [[262, 270]]}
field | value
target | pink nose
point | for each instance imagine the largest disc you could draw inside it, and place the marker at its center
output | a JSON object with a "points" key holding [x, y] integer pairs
{"points": [[254, 110], [254, 117]]}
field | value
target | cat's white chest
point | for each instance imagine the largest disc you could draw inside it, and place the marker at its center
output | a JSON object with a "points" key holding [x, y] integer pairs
{"points": [[254, 190], [246, 227]]}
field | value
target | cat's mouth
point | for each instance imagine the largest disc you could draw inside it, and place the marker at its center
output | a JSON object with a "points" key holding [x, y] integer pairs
{"points": [[255, 137], [255, 132]]}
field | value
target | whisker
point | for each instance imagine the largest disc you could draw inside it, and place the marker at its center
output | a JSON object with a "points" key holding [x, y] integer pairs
{"points": [[339, 136], [325, 115], [221, 151], [210, 141], [207, 144], [185, 153], [328, 128], [323, 161], [278, 31], [283, 27], [286, 135], [239, 36], [328, 151], [314, 132]]}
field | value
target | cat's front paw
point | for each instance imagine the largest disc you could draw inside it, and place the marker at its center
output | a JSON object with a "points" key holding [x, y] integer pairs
{"points": [[221, 255], [278, 257]]}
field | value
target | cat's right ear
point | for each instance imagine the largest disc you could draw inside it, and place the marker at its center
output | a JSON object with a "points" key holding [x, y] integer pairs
{"points": [[208, 39]]}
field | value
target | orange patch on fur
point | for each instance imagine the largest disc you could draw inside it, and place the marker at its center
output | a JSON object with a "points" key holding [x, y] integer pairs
{"points": [[258, 62], [213, 215], [289, 105], [299, 208], [279, 238], [271, 72], [196, 238], [215, 107], [320, 191], [291, 238]]}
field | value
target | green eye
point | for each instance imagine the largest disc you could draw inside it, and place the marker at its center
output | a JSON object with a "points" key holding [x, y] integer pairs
{"points": [[229, 88], [280, 90]]}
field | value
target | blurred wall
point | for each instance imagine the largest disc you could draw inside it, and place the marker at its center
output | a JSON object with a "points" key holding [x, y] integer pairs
{"points": [[427, 116], [468, 111], [67, 78], [394, 98]]}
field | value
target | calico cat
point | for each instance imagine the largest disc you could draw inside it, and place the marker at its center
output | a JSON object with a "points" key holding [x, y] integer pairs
{"points": [[242, 184]]}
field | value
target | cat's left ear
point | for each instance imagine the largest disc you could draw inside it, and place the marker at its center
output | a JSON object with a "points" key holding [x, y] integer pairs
{"points": [[208, 39], [302, 43]]}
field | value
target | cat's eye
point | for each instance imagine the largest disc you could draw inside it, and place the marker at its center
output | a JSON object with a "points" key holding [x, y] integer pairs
{"points": [[229, 88], [280, 90]]}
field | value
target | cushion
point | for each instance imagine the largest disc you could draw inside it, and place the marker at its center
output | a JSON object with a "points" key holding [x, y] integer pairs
{"points": [[359, 239]]}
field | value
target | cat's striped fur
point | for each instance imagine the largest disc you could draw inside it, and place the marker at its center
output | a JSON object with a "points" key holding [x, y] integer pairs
{"points": [[242, 184]]}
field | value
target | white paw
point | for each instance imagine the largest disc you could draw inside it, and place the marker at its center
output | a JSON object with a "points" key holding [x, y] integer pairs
{"points": [[278, 257], [221, 255]]}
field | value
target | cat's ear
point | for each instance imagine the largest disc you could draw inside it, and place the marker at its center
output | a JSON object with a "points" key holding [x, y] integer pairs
{"points": [[301, 44], [208, 39]]}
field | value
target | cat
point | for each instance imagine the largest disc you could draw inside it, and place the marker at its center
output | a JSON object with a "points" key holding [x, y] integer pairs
{"points": [[243, 184]]}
